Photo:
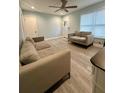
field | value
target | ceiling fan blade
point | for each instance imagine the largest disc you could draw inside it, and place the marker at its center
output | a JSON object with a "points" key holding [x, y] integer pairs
{"points": [[71, 7], [54, 6], [66, 10], [58, 10]]}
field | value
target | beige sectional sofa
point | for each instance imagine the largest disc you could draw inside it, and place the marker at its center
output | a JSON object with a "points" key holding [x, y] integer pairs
{"points": [[39, 73], [83, 38]]}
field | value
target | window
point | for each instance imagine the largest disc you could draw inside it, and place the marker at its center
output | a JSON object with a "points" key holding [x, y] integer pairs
{"points": [[94, 22]]}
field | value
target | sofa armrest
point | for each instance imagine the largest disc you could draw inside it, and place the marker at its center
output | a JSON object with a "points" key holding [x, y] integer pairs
{"points": [[38, 76], [89, 39], [69, 35]]}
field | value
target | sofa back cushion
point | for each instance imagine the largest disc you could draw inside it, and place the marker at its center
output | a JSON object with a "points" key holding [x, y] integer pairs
{"points": [[30, 39], [28, 53], [77, 33], [82, 33], [86, 33]]}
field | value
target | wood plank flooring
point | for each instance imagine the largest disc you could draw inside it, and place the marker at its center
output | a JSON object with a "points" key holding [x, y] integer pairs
{"points": [[81, 68]]}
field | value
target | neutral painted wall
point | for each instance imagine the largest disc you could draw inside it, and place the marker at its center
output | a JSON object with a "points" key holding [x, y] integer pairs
{"points": [[21, 34], [48, 25], [73, 19]]}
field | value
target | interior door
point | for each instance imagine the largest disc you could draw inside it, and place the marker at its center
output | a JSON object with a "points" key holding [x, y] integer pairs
{"points": [[30, 26]]}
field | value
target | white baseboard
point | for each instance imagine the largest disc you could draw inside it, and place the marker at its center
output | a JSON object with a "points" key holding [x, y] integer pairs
{"points": [[54, 38]]}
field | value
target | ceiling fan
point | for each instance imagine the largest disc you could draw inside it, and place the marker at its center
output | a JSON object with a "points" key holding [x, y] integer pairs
{"points": [[63, 6]]}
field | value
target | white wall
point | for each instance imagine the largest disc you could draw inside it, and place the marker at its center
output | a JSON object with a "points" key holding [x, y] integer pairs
{"points": [[53, 26], [48, 25], [74, 18], [21, 34]]}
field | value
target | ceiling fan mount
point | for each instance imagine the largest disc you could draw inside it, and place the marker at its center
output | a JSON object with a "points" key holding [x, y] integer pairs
{"points": [[63, 6]]}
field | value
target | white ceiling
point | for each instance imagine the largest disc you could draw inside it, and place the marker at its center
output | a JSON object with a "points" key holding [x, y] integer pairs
{"points": [[42, 5]]}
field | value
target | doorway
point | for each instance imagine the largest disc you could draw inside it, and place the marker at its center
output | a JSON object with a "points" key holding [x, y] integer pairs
{"points": [[30, 26]]}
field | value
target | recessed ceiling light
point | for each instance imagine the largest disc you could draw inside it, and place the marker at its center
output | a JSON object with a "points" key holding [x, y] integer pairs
{"points": [[32, 7]]}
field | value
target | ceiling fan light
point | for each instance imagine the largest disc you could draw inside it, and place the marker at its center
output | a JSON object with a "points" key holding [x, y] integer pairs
{"points": [[62, 13], [32, 7]]}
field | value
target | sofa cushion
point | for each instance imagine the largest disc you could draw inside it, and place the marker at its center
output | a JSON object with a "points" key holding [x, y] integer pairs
{"points": [[47, 52], [41, 45], [28, 53], [78, 38], [77, 33], [53, 49]]}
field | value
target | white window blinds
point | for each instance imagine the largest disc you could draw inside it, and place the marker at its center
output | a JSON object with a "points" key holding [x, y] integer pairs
{"points": [[94, 22]]}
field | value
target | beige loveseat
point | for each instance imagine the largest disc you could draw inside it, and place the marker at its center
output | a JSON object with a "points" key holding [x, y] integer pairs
{"points": [[83, 38], [39, 73]]}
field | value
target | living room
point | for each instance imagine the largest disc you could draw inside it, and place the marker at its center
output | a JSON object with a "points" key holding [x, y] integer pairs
{"points": [[66, 54], [59, 47]]}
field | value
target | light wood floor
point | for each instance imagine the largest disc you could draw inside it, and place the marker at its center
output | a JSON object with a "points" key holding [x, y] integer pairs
{"points": [[81, 68]]}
